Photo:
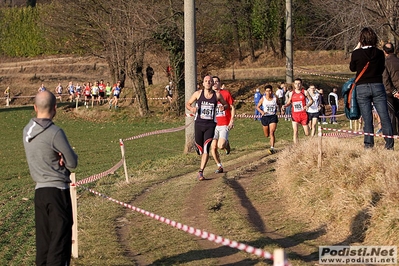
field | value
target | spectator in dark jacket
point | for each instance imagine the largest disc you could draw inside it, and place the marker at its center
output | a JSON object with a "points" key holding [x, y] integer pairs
{"points": [[391, 83], [369, 88]]}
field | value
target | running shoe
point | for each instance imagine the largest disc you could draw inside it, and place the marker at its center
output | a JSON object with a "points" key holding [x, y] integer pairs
{"points": [[219, 170], [200, 176], [272, 151]]}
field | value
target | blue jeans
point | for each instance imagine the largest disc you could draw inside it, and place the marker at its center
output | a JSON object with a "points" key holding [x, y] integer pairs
{"points": [[374, 93], [333, 113], [288, 111]]}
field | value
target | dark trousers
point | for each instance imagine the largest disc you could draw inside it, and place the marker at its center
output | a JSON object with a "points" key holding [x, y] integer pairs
{"points": [[53, 218], [393, 112], [333, 113], [322, 114], [149, 79], [369, 93]]}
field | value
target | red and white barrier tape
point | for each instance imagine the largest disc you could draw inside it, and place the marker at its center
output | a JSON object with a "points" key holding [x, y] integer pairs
{"points": [[245, 101], [317, 74], [163, 131], [360, 133], [160, 98], [259, 116], [191, 230], [120, 163], [101, 175], [338, 135]]}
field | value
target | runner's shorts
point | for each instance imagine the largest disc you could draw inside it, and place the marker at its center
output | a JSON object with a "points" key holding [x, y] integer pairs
{"points": [[221, 132], [268, 119], [300, 118]]}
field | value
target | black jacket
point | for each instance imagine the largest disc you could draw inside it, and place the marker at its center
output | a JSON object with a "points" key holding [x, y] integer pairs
{"points": [[359, 59], [391, 73]]}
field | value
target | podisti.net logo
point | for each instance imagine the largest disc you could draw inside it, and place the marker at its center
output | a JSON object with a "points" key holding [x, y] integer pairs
{"points": [[358, 254]]}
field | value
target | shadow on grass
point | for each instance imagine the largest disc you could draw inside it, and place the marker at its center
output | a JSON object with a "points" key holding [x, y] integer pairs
{"points": [[16, 108], [224, 251], [30, 107], [253, 216], [285, 242], [361, 223], [214, 253], [256, 220]]}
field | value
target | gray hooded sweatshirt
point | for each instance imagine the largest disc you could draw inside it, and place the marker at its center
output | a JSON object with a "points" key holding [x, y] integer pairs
{"points": [[43, 141]]}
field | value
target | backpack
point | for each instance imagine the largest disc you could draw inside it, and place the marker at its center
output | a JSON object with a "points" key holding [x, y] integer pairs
{"points": [[352, 110]]}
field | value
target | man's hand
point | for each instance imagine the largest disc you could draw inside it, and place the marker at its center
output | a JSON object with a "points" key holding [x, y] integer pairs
{"points": [[61, 161], [396, 95]]}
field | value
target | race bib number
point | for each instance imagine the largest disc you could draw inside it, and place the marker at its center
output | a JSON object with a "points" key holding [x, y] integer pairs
{"points": [[270, 109], [207, 111], [298, 107], [218, 112]]}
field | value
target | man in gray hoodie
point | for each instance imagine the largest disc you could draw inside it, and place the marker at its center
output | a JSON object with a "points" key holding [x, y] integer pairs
{"points": [[50, 157]]}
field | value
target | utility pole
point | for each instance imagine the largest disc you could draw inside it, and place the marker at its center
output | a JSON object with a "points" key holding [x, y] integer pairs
{"points": [[190, 67], [288, 43]]}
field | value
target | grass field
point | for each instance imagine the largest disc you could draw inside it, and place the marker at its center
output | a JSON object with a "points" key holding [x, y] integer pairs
{"points": [[297, 211], [162, 179], [97, 144]]}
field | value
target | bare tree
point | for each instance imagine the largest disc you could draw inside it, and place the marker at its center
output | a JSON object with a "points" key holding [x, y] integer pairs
{"points": [[114, 30], [335, 28], [169, 34]]}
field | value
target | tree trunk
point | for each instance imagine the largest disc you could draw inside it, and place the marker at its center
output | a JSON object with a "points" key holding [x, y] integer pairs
{"points": [[236, 35], [282, 37], [135, 73], [177, 61]]}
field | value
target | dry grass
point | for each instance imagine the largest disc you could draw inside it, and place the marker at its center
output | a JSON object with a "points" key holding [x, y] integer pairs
{"points": [[355, 193]]}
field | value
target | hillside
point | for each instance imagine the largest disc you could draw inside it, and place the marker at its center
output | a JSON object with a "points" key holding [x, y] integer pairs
{"points": [[262, 200], [24, 76]]}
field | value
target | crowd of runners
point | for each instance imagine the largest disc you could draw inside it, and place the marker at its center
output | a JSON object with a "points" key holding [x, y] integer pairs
{"points": [[213, 108], [97, 93]]}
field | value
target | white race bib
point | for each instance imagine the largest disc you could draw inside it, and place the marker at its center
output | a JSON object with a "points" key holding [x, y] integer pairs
{"points": [[298, 107], [270, 109], [207, 111], [218, 112]]}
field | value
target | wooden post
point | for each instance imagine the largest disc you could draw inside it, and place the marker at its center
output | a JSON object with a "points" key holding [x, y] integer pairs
{"points": [[75, 217], [124, 159], [77, 102], [320, 134], [279, 257]]}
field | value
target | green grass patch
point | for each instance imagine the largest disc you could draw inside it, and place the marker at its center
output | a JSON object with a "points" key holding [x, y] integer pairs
{"points": [[151, 160]]}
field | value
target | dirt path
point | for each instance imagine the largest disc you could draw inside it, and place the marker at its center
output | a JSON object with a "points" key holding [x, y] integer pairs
{"points": [[265, 218], [198, 212]]}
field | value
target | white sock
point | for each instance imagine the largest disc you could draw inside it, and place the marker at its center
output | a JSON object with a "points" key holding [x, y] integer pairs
{"points": [[219, 165]]}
